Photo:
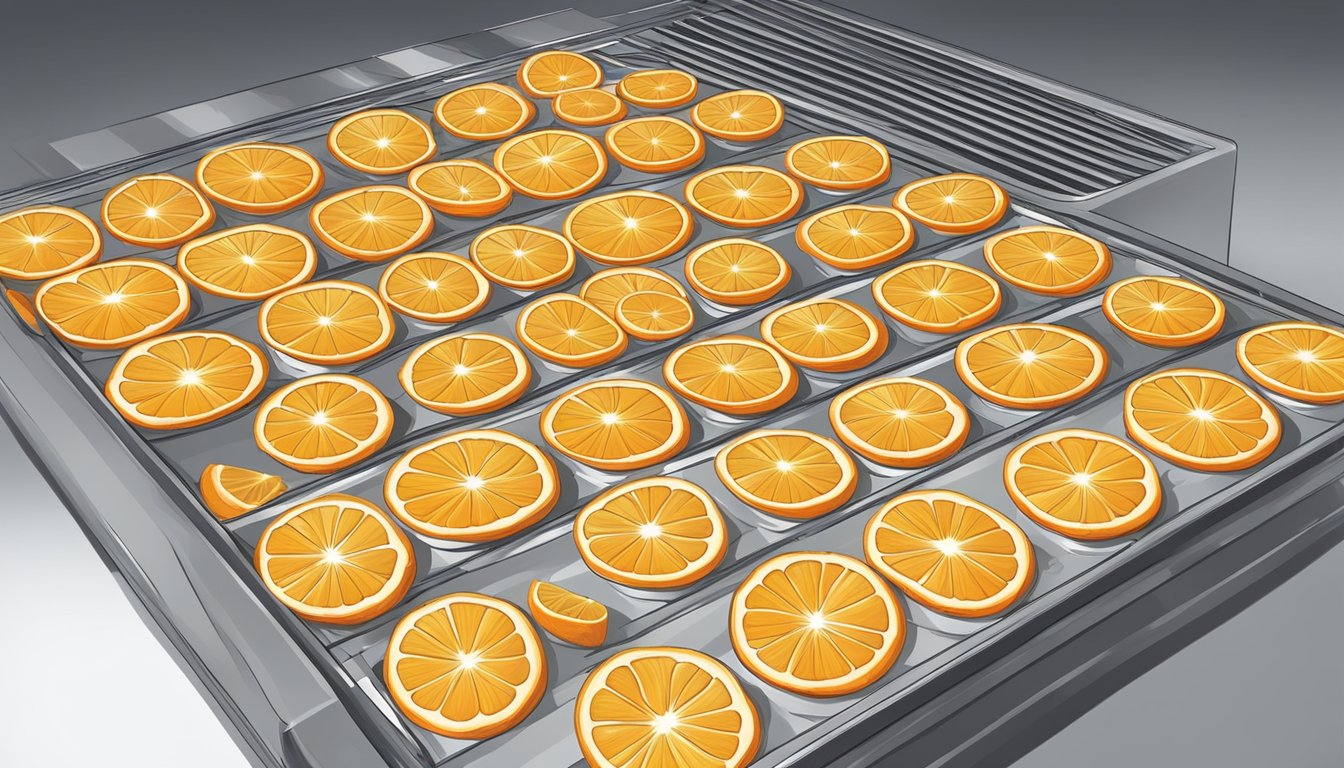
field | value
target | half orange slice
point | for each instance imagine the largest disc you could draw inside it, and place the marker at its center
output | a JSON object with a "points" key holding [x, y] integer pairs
{"points": [[46, 241], [900, 422], [839, 162], [739, 115], [655, 144], [606, 288], [825, 334], [736, 271], [1031, 365], [552, 164], [467, 188], [567, 615], [855, 236], [523, 257], [1164, 311], [658, 88], [616, 425], [185, 379], [247, 263], [744, 195], [1048, 260], [466, 374], [955, 204], [381, 141], [550, 73], [1201, 420], [588, 106], [484, 112], [372, 223], [565, 329], [787, 472], [230, 492], [633, 227], [156, 211], [1304, 361], [434, 287], [938, 296], [654, 315], [323, 423], [328, 322], [258, 177], [737, 375], [113, 304]]}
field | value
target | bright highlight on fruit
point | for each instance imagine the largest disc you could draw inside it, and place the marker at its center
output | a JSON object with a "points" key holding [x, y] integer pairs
{"points": [[565, 329], [654, 316], [588, 106], [523, 257], [655, 144]]}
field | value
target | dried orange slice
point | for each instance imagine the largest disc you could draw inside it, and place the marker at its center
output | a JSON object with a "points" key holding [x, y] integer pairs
{"points": [[467, 188], [434, 287], [24, 309], [839, 162], [900, 422], [655, 144], [567, 615], [1084, 484], [739, 115], [787, 472], [474, 485], [816, 623], [551, 164], [230, 492], [113, 304], [323, 423], [654, 316], [616, 424], [1049, 260], [633, 227], [606, 288], [1201, 420], [1304, 361], [328, 322], [744, 195], [250, 262], [258, 177], [484, 112], [1031, 365], [467, 374], [335, 559], [655, 532], [523, 257], [658, 88], [855, 236], [372, 223], [736, 271], [549, 73], [731, 374], [156, 211], [825, 334], [459, 643], [938, 296], [381, 141], [1164, 311], [955, 204], [588, 106], [565, 329], [185, 379], [46, 241]]}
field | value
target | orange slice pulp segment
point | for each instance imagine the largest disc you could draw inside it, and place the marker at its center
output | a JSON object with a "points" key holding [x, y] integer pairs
{"points": [[839, 162], [372, 223], [549, 73], [955, 204], [250, 262], [567, 615], [1031, 365], [655, 144], [1201, 420], [113, 304], [381, 141], [328, 322], [484, 112], [565, 329], [616, 424], [552, 164], [230, 492], [466, 188], [258, 177], [787, 472], [739, 115], [744, 195], [900, 422], [1304, 361], [466, 374], [156, 211], [1048, 260], [434, 287], [825, 334], [737, 375], [185, 379], [855, 236], [323, 423], [45, 241], [938, 296], [736, 271]]}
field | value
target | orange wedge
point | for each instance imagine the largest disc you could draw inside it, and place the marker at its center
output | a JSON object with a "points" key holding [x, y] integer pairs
{"points": [[467, 374], [737, 375], [467, 188], [787, 472], [565, 329], [938, 296], [839, 162], [523, 257], [632, 227], [739, 115], [258, 177], [156, 211], [185, 379], [484, 112], [381, 141], [323, 423], [1201, 420], [24, 309], [736, 271], [816, 623], [551, 164], [1031, 365], [855, 236], [1304, 361], [744, 195], [230, 492], [1164, 311], [434, 287], [372, 223], [825, 334], [900, 422], [46, 241], [549, 73], [567, 615], [329, 322], [113, 304], [658, 88], [955, 204], [616, 424], [606, 288], [588, 106], [654, 316], [250, 262], [1083, 484], [655, 144], [1049, 260]]}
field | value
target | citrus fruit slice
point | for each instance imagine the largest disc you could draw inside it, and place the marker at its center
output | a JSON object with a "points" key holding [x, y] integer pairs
{"points": [[588, 106], [938, 296], [1304, 361], [900, 422], [1201, 420], [113, 304], [467, 374], [185, 379], [1048, 260], [434, 287], [816, 623], [568, 615], [258, 177], [328, 322], [950, 552], [552, 164], [736, 271], [381, 141], [655, 144], [466, 666], [565, 329], [230, 492], [825, 334], [633, 227], [467, 188], [654, 316], [24, 309], [156, 211], [483, 112], [616, 424], [335, 559], [855, 236], [1083, 484], [744, 195], [46, 241], [606, 288], [739, 115], [323, 423], [787, 472], [523, 257], [246, 263], [839, 162], [474, 485], [955, 204], [737, 375], [372, 223], [549, 73], [658, 88], [1164, 311], [1031, 365]]}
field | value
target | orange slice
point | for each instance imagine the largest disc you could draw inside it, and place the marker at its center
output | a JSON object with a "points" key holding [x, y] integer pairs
{"points": [[329, 322], [467, 188], [658, 88], [567, 615], [633, 227], [588, 106], [565, 329], [465, 666], [1084, 484], [551, 164], [1049, 260], [655, 144], [606, 288], [955, 204], [467, 374], [855, 236], [246, 263], [744, 195], [1201, 420], [654, 316], [156, 211], [1164, 311], [938, 296], [839, 162], [1031, 365], [335, 559], [113, 304], [323, 423], [739, 115], [185, 379], [825, 334], [616, 424], [372, 223], [736, 271], [46, 241], [1304, 361], [549, 73], [737, 375], [434, 287], [484, 112], [523, 257], [816, 623], [24, 309], [475, 485], [258, 177], [381, 141], [230, 492], [787, 472], [900, 422]]}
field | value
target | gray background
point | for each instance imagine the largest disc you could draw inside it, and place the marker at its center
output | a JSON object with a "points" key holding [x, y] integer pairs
{"points": [[87, 684]]}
